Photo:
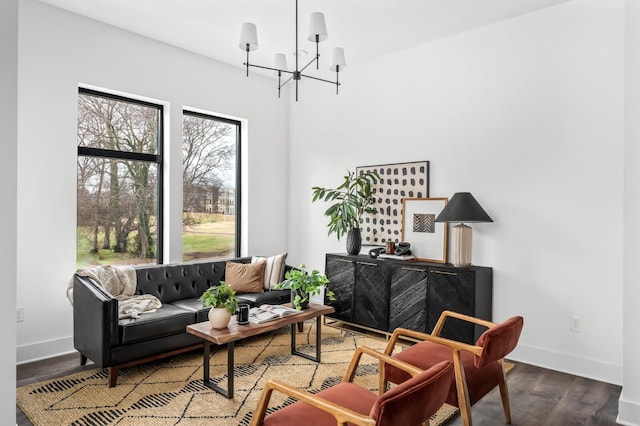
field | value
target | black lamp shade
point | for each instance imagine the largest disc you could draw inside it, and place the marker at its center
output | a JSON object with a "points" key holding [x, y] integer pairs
{"points": [[463, 208]]}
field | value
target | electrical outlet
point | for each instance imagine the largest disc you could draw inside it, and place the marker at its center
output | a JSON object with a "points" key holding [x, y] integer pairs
{"points": [[19, 314], [575, 324]]}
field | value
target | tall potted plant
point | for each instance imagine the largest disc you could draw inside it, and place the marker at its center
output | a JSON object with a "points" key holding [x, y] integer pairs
{"points": [[223, 302], [349, 202]]}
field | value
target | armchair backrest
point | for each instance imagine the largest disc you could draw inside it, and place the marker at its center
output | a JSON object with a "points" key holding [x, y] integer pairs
{"points": [[498, 341], [414, 400]]}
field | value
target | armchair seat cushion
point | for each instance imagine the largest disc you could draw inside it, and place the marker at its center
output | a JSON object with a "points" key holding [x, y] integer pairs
{"points": [[167, 320], [426, 354], [347, 394]]}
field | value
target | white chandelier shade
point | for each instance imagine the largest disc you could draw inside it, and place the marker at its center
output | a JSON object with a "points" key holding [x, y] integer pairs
{"points": [[338, 63], [317, 27], [249, 37], [280, 62]]}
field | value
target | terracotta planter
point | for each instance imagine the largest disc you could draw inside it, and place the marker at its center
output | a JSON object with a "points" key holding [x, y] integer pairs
{"points": [[219, 317]]}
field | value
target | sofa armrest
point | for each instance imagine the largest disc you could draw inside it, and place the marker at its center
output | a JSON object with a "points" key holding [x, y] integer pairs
{"points": [[95, 321]]}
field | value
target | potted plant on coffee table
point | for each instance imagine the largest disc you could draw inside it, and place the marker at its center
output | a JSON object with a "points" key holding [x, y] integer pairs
{"points": [[303, 285], [349, 202], [223, 302]]}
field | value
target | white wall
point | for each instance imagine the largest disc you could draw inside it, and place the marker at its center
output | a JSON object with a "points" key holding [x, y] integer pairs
{"points": [[57, 52], [8, 181], [527, 115], [629, 405]]}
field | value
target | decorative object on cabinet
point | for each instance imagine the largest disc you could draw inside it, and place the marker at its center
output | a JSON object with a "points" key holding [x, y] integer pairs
{"points": [[317, 33], [462, 207], [428, 239], [384, 294], [397, 181], [349, 202]]}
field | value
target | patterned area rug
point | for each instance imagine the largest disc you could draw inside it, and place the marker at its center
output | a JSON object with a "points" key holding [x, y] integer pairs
{"points": [[170, 391]]}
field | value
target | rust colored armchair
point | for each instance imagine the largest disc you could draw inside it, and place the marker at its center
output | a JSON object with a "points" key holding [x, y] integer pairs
{"points": [[478, 368], [410, 403]]}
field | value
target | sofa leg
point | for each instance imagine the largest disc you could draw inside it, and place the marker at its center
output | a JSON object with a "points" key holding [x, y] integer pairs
{"points": [[83, 360], [113, 376], [300, 327]]}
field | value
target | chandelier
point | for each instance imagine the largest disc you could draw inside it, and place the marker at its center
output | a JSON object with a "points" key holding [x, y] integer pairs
{"points": [[317, 33]]}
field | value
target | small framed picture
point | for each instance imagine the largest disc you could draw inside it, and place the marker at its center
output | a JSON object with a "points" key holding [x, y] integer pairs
{"points": [[427, 237]]}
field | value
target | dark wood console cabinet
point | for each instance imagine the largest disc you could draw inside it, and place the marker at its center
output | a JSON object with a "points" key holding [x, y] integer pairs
{"points": [[383, 294]]}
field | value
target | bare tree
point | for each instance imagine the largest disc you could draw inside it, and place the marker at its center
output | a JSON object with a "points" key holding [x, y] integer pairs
{"points": [[122, 192], [208, 153]]}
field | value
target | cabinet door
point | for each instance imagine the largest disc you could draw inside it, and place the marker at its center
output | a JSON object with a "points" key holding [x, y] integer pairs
{"points": [[408, 298], [371, 295], [452, 290], [341, 274]]}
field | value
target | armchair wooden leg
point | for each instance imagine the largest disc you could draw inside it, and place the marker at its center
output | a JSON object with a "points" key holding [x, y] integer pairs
{"points": [[462, 390], [83, 360], [261, 409], [300, 327], [504, 394]]}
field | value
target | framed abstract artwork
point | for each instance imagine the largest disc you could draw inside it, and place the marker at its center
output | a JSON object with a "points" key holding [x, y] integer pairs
{"points": [[428, 238], [398, 181]]}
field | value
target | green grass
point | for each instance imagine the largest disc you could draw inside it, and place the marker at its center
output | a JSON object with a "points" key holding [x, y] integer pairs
{"points": [[194, 246], [212, 245]]}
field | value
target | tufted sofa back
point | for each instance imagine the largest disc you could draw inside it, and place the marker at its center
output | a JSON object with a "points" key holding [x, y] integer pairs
{"points": [[181, 281]]}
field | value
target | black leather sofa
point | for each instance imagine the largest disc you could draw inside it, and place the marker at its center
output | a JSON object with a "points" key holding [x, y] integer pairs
{"points": [[115, 343]]}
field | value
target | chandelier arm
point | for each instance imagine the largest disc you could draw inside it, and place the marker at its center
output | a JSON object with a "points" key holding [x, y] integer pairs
{"points": [[321, 79], [267, 68], [286, 81], [310, 62]]}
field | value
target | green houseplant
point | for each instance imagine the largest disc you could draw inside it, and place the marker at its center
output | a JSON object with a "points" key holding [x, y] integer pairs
{"points": [[349, 201], [303, 285], [223, 302]]}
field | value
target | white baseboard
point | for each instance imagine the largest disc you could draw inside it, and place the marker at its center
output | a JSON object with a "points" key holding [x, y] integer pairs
{"points": [[628, 412], [44, 350], [568, 363]]}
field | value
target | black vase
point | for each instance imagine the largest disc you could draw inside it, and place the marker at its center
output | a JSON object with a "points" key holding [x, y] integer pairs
{"points": [[354, 241], [304, 304]]}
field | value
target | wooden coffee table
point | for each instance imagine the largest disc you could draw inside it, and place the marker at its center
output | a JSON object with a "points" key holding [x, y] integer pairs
{"points": [[236, 332]]}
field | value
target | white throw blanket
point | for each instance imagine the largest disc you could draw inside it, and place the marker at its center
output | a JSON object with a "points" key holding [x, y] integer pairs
{"points": [[119, 282]]}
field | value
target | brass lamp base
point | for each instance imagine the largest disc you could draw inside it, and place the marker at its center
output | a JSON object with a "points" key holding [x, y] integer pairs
{"points": [[461, 245]]}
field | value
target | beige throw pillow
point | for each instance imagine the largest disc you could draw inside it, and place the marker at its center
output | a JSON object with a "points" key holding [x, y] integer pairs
{"points": [[245, 277], [274, 269]]}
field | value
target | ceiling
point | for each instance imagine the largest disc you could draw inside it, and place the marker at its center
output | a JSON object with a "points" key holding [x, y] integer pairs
{"points": [[365, 28]]}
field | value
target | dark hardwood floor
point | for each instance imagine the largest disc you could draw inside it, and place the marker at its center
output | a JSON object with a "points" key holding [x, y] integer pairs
{"points": [[539, 397]]}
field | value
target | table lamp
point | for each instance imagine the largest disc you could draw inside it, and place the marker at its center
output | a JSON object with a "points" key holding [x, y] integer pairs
{"points": [[462, 208]]}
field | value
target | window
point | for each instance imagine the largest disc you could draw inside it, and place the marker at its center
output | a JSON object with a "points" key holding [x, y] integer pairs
{"points": [[119, 180], [211, 170]]}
